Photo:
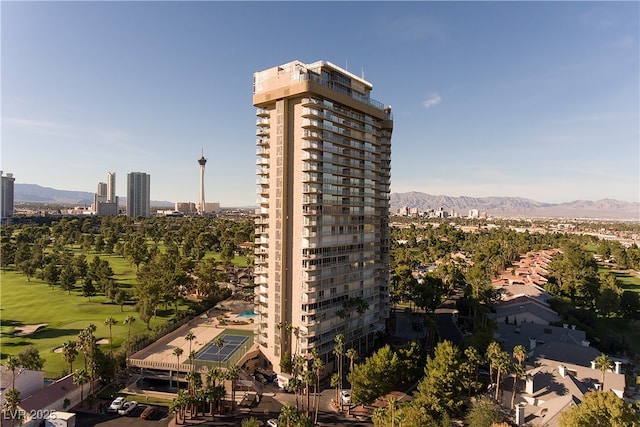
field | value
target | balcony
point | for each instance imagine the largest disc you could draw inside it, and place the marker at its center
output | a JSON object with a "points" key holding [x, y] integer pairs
{"points": [[262, 122], [261, 151], [261, 112], [262, 141], [263, 131], [262, 162]]}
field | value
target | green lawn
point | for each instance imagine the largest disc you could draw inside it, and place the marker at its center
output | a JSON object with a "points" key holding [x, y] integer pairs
{"points": [[30, 303]]}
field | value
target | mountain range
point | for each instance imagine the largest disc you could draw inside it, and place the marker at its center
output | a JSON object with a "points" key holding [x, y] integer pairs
{"points": [[493, 206], [33, 193], [520, 207]]}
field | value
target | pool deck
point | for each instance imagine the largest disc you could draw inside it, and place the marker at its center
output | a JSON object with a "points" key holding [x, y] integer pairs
{"points": [[159, 355]]}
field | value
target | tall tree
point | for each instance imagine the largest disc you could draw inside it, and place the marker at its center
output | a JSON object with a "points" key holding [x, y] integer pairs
{"points": [[518, 372], [81, 377], [318, 367], [10, 406], [374, 377], [603, 363], [219, 343], [12, 363], [599, 408], [439, 391], [129, 322], [233, 374], [110, 322], [30, 358], [69, 352], [338, 351], [177, 351]]}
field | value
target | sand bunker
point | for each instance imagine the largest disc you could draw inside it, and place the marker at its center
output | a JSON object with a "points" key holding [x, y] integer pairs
{"points": [[103, 341], [21, 331]]}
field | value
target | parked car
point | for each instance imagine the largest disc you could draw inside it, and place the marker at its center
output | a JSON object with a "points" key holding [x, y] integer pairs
{"points": [[148, 412], [127, 407], [272, 422], [116, 404], [346, 397]]}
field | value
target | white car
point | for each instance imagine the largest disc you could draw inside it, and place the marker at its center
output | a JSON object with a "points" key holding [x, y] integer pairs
{"points": [[272, 422], [346, 397], [127, 407], [116, 404]]}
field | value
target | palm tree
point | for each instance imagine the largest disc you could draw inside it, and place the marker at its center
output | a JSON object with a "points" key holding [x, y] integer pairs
{"points": [[518, 373], [493, 349], [378, 417], [90, 347], [502, 362], [80, 377], [520, 354], [10, 405], [190, 337], [308, 377], [212, 376], [129, 321], [338, 350], [287, 414], [12, 364], [392, 407], [110, 322], [69, 352], [352, 355], [177, 351], [335, 382], [603, 363], [218, 342], [176, 407], [232, 375], [318, 367]]}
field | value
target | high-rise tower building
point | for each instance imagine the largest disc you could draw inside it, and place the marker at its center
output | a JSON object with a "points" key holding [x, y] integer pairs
{"points": [[138, 194], [322, 238], [102, 190], [111, 187], [6, 195], [202, 206]]}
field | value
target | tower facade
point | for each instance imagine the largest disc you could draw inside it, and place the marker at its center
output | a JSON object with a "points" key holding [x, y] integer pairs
{"points": [[111, 187], [6, 195], [202, 206], [322, 238], [138, 194]]}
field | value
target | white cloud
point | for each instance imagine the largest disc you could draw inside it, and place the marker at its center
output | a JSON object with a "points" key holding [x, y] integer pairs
{"points": [[433, 100]]}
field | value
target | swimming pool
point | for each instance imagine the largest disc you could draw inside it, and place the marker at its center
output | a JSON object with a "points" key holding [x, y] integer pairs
{"points": [[248, 313]]}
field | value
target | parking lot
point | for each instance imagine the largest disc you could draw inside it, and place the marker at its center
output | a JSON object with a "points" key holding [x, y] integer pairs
{"points": [[159, 419]]}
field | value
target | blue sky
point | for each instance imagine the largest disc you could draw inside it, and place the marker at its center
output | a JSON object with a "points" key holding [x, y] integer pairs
{"points": [[531, 99]]}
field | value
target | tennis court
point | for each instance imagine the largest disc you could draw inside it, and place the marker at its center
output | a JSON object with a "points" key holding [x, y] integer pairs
{"points": [[232, 344]]}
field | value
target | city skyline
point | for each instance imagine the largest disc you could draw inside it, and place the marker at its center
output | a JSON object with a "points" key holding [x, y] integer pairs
{"points": [[535, 100]]}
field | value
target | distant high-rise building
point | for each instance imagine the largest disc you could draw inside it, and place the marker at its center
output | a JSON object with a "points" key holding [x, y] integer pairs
{"points": [[6, 197], [111, 187], [322, 235], [138, 194], [102, 190], [202, 206], [105, 202]]}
